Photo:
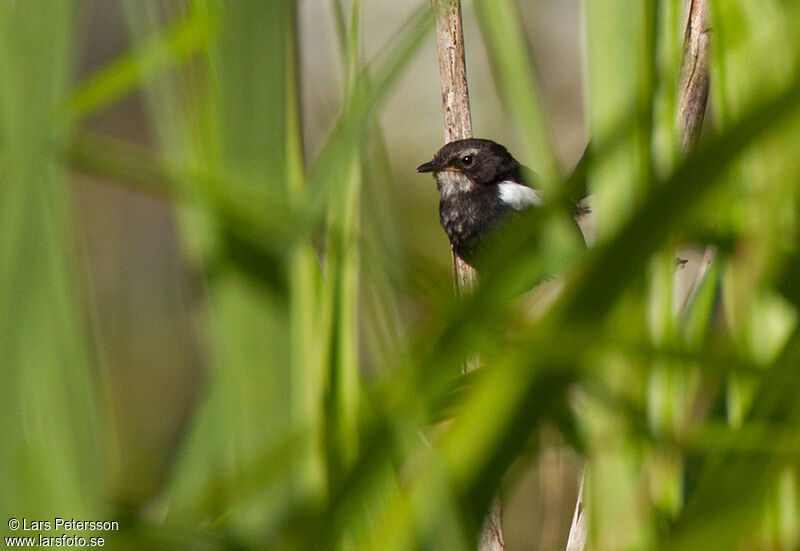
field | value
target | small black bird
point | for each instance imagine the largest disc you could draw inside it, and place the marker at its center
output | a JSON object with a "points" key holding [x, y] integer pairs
{"points": [[481, 185]]}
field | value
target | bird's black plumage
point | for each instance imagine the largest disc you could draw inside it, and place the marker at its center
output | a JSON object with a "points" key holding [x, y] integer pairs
{"points": [[480, 185]]}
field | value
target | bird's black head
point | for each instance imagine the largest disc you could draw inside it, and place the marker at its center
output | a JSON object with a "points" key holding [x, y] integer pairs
{"points": [[482, 162]]}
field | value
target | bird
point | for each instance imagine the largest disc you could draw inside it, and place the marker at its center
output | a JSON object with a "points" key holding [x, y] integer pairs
{"points": [[481, 185]]}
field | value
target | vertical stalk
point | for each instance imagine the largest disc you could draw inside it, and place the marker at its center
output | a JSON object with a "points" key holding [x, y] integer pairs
{"points": [[340, 295], [458, 126], [455, 101], [693, 98], [694, 76], [306, 370]]}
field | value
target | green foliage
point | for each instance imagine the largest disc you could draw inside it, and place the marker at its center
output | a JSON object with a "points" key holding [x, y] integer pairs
{"points": [[49, 455], [331, 418]]}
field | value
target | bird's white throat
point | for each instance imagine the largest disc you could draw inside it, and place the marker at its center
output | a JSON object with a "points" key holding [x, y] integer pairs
{"points": [[450, 182]]}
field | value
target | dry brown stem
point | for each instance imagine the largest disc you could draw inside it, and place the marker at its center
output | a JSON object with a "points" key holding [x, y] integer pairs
{"points": [[458, 126], [455, 101]]}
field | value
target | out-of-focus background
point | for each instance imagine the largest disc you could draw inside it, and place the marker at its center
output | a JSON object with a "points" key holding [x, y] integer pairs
{"points": [[227, 317], [142, 290]]}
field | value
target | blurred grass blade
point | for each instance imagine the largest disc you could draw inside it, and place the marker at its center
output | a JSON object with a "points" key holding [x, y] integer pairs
{"points": [[501, 26], [254, 217], [671, 202], [339, 298], [125, 74], [49, 456], [722, 481], [227, 116], [370, 87], [619, 39], [307, 376], [305, 287]]}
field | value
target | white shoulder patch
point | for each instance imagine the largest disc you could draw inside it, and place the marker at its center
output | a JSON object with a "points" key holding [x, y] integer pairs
{"points": [[518, 196]]}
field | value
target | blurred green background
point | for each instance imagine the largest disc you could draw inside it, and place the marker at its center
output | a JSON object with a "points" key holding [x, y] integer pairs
{"points": [[226, 308]]}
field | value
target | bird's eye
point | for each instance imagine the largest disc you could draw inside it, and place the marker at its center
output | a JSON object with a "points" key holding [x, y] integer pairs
{"points": [[467, 160]]}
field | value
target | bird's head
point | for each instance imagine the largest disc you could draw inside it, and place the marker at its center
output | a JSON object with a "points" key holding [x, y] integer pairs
{"points": [[463, 164]]}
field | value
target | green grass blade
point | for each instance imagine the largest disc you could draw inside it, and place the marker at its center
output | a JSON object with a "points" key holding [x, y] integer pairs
{"points": [[125, 74], [512, 66], [50, 454]]}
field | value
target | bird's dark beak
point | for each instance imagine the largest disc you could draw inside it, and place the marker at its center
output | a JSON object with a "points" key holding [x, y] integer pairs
{"points": [[428, 167]]}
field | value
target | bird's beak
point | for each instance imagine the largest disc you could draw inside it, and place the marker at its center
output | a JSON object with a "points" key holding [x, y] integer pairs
{"points": [[428, 167]]}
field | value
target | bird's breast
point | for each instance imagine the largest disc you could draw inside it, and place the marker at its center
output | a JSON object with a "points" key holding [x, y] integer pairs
{"points": [[468, 217]]}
